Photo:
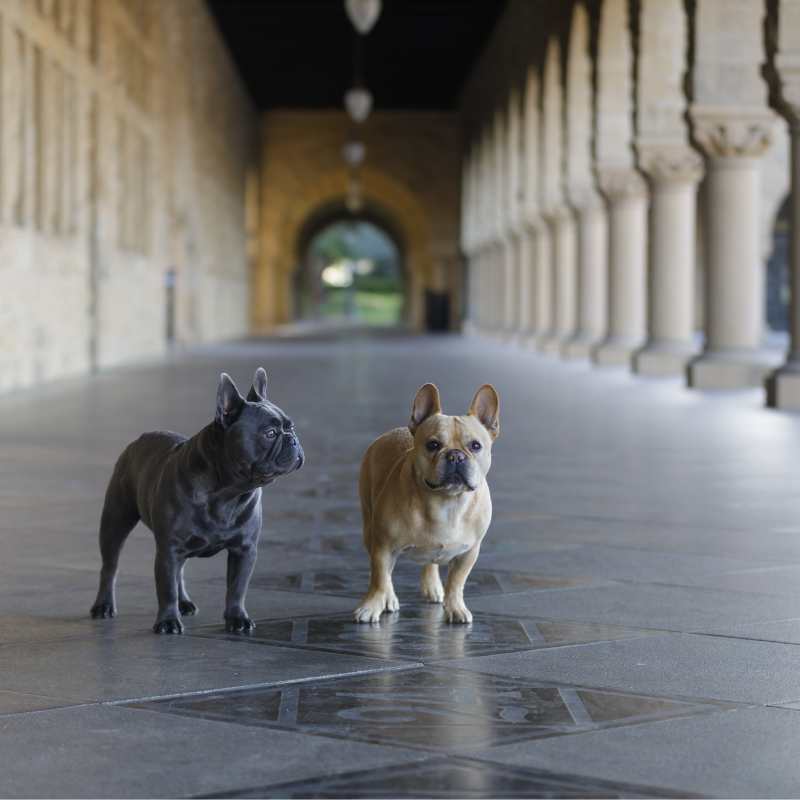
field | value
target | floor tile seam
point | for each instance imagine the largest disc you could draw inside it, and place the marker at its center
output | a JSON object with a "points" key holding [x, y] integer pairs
{"points": [[533, 648], [410, 666], [271, 787], [701, 587], [313, 647], [534, 682], [586, 621], [567, 776], [735, 637], [328, 733], [66, 706], [640, 548]]}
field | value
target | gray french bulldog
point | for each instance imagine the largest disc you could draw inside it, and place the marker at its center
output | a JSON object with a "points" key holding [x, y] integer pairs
{"points": [[199, 496]]}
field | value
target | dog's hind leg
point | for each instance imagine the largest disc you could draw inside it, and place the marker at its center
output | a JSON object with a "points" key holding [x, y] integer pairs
{"points": [[430, 584], [185, 603], [118, 519]]}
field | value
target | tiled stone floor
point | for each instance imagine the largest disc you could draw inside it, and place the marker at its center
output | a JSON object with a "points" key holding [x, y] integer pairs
{"points": [[637, 602]]}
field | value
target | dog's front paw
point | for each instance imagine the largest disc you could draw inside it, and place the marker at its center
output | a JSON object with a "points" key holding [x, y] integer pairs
{"points": [[103, 611], [187, 608], [456, 612], [168, 625], [374, 605], [238, 623]]}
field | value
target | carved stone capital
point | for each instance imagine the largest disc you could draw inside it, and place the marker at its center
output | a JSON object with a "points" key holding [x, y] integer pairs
{"points": [[670, 164], [620, 183], [583, 196], [732, 133]]}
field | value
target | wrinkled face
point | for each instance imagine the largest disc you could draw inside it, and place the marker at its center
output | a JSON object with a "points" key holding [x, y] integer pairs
{"points": [[452, 454], [262, 444]]}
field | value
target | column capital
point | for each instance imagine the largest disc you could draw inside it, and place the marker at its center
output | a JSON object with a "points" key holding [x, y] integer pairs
{"points": [[670, 163], [620, 183], [732, 132], [555, 214], [583, 196]]}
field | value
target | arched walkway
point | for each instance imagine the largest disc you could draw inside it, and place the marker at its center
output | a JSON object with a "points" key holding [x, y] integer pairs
{"points": [[350, 269], [399, 210]]}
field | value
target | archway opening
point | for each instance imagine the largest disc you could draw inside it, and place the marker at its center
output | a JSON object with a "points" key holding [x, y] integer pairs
{"points": [[351, 271], [778, 272]]}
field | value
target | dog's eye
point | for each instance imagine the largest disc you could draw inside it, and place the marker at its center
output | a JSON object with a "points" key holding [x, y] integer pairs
{"points": [[475, 446], [270, 433], [433, 445]]}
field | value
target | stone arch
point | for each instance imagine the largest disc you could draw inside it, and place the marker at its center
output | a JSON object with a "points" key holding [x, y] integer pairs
{"points": [[304, 277], [777, 277], [401, 210]]}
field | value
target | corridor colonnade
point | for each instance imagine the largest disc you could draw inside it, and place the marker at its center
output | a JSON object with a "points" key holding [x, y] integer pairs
{"points": [[580, 194]]}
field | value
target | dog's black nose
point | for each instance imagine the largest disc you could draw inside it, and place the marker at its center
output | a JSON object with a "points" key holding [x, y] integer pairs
{"points": [[456, 456]]}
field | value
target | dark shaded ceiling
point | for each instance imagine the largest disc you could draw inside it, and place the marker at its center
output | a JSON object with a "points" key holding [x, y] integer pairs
{"points": [[299, 53]]}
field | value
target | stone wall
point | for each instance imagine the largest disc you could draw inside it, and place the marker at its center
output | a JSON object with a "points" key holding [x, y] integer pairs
{"points": [[126, 139], [411, 179]]}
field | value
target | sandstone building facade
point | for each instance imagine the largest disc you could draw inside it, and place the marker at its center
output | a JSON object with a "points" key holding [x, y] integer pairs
{"points": [[126, 141]]}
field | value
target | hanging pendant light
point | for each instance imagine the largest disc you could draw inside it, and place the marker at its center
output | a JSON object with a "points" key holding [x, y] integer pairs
{"points": [[358, 102], [363, 14], [354, 153]]}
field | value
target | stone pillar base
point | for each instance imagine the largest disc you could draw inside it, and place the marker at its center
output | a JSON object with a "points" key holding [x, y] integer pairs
{"points": [[615, 352], [662, 360], [548, 344], [577, 348], [783, 388], [727, 371]]}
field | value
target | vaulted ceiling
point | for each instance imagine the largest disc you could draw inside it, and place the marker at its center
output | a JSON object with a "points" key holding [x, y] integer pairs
{"points": [[299, 53]]}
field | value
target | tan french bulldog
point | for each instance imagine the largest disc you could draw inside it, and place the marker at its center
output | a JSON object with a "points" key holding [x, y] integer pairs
{"points": [[424, 494]]}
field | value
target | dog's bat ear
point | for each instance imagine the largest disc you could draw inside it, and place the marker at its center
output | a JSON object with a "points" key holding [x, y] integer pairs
{"points": [[258, 391], [426, 404], [486, 407], [229, 401]]}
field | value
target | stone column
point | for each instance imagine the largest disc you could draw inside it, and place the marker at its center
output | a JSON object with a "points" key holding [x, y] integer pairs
{"points": [[590, 239], [524, 274], [592, 244], [733, 127], [514, 196], [783, 385], [673, 170], [531, 220], [543, 285], [559, 244], [673, 200], [500, 269], [622, 187], [467, 234], [626, 197]]}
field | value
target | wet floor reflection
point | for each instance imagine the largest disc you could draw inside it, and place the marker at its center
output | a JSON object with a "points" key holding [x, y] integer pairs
{"points": [[420, 632], [430, 708]]}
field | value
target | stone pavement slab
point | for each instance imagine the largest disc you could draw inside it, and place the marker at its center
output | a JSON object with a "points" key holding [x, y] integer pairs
{"points": [[674, 665], [147, 665], [110, 751], [749, 752], [646, 605]]}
